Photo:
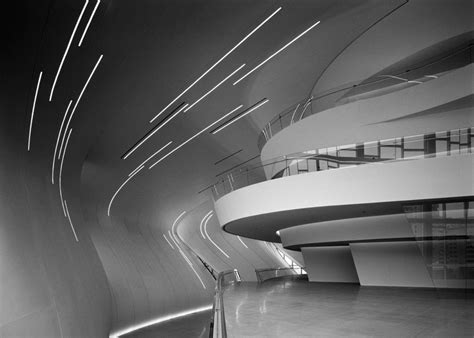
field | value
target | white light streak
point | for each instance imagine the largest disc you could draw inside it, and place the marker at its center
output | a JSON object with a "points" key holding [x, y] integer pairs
{"points": [[57, 141], [154, 131], [88, 23], [87, 82], [135, 170], [61, 171], [77, 102], [193, 137], [70, 222], [159, 320], [159, 150], [241, 241], [176, 222], [294, 112], [171, 245], [241, 116], [67, 50], [215, 87], [276, 53], [205, 230], [202, 222], [432, 76], [33, 109], [215, 64], [120, 188]]}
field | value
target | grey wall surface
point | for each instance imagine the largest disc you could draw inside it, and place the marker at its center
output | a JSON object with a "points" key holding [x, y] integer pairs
{"points": [[330, 264], [390, 264]]}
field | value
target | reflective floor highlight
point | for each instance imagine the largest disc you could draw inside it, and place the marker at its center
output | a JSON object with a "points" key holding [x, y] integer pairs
{"points": [[295, 308]]}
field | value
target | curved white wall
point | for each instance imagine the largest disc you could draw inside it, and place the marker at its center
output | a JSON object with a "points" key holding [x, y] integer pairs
{"points": [[371, 183]]}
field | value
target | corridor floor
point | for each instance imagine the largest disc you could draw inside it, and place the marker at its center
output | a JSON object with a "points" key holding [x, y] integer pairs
{"points": [[295, 308]]}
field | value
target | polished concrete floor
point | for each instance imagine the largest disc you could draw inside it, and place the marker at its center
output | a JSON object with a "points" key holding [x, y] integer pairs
{"points": [[195, 325], [295, 308]]}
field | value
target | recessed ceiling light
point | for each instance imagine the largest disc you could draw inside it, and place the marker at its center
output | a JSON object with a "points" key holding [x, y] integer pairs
{"points": [[120, 188], [276, 53], [243, 114], [33, 109], [193, 137], [215, 64], [88, 23], [61, 172], [70, 222], [57, 140], [215, 87], [179, 109], [67, 49]]}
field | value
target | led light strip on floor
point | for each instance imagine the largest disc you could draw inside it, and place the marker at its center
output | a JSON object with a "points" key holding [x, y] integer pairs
{"points": [[215, 64], [159, 320]]}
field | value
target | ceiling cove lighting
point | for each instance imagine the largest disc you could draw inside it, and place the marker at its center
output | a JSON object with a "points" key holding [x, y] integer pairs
{"points": [[158, 151], [67, 50], [57, 141], [159, 320], [150, 133], [33, 109], [215, 87], [193, 137], [70, 222], [88, 23], [120, 188], [61, 172], [276, 53], [171, 245], [202, 222], [215, 64], [209, 237], [242, 114], [241, 241]]}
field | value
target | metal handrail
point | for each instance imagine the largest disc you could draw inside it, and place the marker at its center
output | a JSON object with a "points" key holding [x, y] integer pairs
{"points": [[405, 148], [217, 326], [261, 278]]}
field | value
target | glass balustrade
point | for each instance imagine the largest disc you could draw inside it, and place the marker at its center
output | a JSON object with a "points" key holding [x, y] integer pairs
{"points": [[436, 144]]}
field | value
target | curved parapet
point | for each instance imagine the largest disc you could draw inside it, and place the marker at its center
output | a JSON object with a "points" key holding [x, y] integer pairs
{"points": [[259, 210]]}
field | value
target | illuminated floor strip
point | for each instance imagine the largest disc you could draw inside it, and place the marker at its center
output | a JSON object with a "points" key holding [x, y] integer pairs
{"points": [[215, 64], [202, 222], [33, 109], [70, 222], [120, 188], [171, 245], [241, 241], [193, 137], [67, 50], [57, 141], [276, 53], [61, 172], [159, 320], [205, 230], [88, 23], [214, 88]]}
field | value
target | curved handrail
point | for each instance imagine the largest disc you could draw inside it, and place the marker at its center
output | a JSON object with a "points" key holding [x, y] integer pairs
{"points": [[218, 327], [303, 109], [262, 274], [435, 144]]}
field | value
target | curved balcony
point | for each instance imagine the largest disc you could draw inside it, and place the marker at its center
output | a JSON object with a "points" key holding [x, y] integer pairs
{"points": [[436, 144], [388, 81]]}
